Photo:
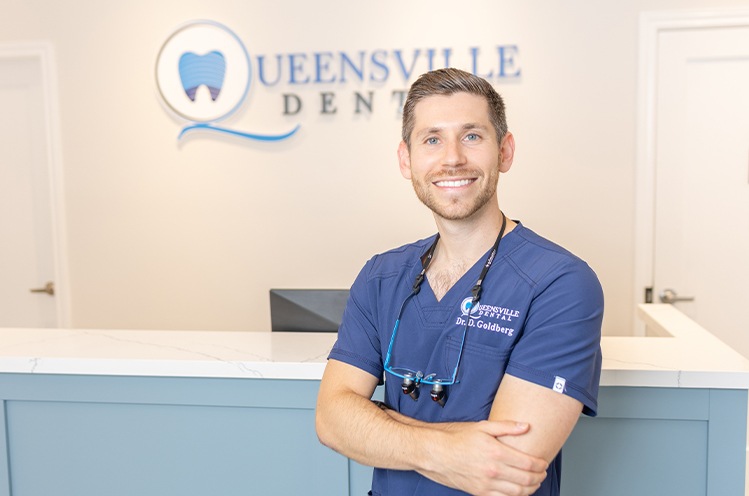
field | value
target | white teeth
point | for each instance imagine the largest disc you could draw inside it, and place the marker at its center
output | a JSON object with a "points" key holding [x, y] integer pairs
{"points": [[453, 184]]}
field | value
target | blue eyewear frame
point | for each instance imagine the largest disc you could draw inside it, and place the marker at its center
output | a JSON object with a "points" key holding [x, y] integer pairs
{"points": [[413, 379]]}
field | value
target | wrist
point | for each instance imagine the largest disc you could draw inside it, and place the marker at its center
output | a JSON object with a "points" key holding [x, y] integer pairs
{"points": [[436, 447]]}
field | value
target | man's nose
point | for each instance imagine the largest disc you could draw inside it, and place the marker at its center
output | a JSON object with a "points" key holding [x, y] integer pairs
{"points": [[454, 154]]}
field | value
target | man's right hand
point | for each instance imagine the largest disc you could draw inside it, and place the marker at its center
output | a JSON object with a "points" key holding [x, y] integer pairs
{"points": [[472, 459]]}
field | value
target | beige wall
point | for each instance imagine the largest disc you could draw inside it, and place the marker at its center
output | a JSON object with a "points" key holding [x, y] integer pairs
{"points": [[192, 234]]}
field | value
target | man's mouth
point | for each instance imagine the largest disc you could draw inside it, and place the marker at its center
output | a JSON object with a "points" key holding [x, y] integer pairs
{"points": [[453, 183]]}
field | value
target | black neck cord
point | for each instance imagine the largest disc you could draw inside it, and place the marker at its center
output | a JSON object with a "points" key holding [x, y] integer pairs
{"points": [[476, 290]]}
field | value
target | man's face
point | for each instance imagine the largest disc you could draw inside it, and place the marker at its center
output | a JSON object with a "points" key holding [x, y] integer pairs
{"points": [[454, 160]]}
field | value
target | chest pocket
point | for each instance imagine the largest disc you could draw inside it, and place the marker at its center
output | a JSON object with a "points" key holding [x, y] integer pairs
{"points": [[481, 369]]}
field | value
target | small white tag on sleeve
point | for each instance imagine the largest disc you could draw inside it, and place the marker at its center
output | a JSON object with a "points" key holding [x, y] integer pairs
{"points": [[559, 383]]}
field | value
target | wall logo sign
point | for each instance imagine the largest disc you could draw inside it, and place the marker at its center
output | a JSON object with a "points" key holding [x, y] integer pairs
{"points": [[203, 74]]}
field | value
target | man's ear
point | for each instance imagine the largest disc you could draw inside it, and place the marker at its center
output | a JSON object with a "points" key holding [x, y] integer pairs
{"points": [[506, 152], [404, 160]]}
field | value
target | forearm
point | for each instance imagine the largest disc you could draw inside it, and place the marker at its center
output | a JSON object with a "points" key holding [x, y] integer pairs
{"points": [[399, 417], [463, 455], [349, 423]]}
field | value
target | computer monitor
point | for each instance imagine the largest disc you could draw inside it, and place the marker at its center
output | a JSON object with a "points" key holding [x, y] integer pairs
{"points": [[316, 310]]}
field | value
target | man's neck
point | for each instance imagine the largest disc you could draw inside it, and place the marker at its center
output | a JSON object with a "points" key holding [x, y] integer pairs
{"points": [[461, 244], [464, 241]]}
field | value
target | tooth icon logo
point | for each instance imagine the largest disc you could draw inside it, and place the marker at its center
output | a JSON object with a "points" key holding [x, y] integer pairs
{"points": [[196, 70], [203, 74]]}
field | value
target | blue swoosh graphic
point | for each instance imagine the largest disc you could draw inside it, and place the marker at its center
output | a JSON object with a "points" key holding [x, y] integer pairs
{"points": [[252, 136]]}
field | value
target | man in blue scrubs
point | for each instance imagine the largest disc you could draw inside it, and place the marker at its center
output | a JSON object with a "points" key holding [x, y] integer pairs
{"points": [[488, 335]]}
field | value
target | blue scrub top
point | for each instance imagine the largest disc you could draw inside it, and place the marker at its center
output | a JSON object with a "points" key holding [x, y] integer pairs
{"points": [[539, 319]]}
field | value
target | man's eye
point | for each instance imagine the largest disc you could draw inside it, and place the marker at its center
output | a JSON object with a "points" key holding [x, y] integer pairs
{"points": [[472, 137], [432, 141]]}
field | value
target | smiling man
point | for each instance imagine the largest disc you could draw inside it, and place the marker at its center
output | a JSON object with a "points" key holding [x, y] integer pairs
{"points": [[487, 335]]}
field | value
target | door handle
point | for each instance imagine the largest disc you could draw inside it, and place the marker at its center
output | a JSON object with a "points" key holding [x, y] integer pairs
{"points": [[671, 296], [48, 288]]}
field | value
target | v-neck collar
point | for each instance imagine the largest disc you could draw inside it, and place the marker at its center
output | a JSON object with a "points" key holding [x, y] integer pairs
{"points": [[488, 257], [462, 286], [433, 312]]}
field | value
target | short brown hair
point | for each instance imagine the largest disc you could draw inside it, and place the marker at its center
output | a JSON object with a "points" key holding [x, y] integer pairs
{"points": [[449, 81]]}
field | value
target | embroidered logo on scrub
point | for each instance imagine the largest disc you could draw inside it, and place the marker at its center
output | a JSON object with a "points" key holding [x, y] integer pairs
{"points": [[488, 317], [466, 305]]}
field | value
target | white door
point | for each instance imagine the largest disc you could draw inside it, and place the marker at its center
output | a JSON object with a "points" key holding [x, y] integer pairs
{"points": [[27, 241], [701, 182]]}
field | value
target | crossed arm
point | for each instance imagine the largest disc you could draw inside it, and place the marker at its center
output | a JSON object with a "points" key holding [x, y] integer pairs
{"points": [[505, 455]]}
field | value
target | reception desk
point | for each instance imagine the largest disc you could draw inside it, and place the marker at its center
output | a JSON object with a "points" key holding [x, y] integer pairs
{"points": [[93, 412]]}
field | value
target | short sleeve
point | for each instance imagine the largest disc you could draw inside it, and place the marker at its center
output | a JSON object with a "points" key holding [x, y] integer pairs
{"points": [[358, 343], [560, 343]]}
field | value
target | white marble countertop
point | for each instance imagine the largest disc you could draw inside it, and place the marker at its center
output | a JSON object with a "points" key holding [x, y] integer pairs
{"points": [[272, 355], [686, 355], [676, 353]]}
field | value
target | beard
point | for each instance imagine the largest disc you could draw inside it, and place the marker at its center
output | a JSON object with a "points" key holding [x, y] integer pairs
{"points": [[455, 208]]}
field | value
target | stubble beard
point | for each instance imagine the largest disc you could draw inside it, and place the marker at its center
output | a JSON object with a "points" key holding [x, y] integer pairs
{"points": [[455, 209]]}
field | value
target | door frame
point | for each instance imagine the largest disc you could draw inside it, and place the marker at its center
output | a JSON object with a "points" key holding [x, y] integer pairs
{"points": [[652, 25], [43, 54]]}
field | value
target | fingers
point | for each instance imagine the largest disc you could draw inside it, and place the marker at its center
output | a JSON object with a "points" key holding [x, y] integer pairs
{"points": [[515, 480], [513, 472], [517, 472], [509, 455], [499, 428], [478, 462]]}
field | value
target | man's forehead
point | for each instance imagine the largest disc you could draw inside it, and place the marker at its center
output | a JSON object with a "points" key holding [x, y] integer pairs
{"points": [[458, 108]]}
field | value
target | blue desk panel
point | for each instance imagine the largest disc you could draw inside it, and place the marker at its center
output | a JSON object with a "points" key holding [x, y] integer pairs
{"points": [[152, 436]]}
